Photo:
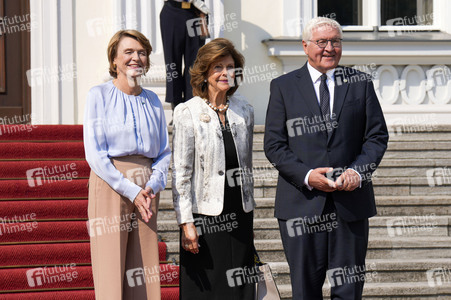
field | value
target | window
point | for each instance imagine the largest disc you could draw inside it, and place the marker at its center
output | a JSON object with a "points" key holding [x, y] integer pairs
{"points": [[345, 12], [406, 12], [365, 14]]}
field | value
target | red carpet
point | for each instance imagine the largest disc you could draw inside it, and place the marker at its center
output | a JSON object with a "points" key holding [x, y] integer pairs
{"points": [[43, 226], [18, 169]]}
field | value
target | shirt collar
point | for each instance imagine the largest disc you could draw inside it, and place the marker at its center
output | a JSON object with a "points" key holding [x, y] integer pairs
{"points": [[315, 74]]}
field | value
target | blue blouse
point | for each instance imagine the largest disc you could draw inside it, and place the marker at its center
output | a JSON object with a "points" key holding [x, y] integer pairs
{"points": [[117, 124]]}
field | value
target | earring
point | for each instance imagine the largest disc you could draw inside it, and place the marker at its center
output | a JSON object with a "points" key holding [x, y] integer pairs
{"points": [[205, 80], [114, 66]]}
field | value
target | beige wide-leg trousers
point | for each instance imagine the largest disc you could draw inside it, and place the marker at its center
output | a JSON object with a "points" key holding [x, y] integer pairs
{"points": [[124, 249]]}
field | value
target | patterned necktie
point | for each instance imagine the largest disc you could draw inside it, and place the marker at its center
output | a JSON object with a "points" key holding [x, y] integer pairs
{"points": [[324, 100]]}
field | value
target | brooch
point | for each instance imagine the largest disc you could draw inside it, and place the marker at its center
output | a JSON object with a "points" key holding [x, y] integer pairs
{"points": [[204, 117]]}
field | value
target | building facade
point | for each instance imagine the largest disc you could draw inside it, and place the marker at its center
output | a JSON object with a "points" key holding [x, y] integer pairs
{"points": [[405, 45]]}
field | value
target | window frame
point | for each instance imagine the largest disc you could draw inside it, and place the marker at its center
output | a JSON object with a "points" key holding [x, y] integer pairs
{"points": [[371, 19]]}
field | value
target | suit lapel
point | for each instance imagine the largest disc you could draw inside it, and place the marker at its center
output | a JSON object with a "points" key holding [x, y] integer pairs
{"points": [[306, 89], [233, 115], [341, 89]]}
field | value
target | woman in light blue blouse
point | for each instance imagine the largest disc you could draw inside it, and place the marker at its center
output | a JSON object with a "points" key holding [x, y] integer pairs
{"points": [[127, 147]]}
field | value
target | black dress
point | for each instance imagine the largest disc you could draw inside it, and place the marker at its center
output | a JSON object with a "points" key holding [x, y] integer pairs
{"points": [[226, 243]]}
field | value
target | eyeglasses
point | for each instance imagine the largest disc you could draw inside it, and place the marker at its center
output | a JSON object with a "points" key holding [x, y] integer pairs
{"points": [[336, 43]]}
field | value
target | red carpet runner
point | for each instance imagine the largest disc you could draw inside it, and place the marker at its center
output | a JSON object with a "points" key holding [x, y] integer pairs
{"points": [[43, 229]]}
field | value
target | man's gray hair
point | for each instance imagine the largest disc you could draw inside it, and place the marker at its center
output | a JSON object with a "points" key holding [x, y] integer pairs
{"points": [[319, 22]]}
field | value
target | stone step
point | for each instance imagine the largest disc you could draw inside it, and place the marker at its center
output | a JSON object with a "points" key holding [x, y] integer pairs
{"points": [[407, 226], [269, 180], [259, 154], [395, 291], [398, 186], [262, 166], [416, 154], [410, 226], [413, 205], [265, 209], [399, 145], [380, 270], [414, 168], [378, 248], [415, 162], [414, 174], [386, 206]]}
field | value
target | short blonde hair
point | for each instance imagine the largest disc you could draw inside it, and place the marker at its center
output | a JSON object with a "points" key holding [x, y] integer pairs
{"points": [[114, 43], [206, 56]]}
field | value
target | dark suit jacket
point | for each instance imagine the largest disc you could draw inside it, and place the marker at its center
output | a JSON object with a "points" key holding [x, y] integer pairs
{"points": [[294, 144]]}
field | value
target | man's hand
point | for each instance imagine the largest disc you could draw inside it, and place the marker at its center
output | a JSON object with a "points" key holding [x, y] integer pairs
{"points": [[320, 182], [190, 238], [348, 181]]}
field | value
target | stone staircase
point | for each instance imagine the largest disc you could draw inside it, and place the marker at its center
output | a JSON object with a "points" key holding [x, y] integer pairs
{"points": [[409, 238]]}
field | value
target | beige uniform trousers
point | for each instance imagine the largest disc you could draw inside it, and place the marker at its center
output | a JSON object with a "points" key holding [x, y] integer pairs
{"points": [[124, 249]]}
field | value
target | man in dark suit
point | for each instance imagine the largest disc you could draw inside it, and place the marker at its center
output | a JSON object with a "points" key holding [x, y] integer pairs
{"points": [[326, 134]]}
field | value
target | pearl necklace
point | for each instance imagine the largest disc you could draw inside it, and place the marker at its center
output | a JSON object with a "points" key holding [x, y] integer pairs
{"points": [[215, 108]]}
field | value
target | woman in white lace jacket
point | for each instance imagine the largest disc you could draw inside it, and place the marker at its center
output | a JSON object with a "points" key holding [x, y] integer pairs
{"points": [[212, 177]]}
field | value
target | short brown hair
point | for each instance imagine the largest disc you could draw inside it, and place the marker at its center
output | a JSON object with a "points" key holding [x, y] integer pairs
{"points": [[207, 55], [114, 42]]}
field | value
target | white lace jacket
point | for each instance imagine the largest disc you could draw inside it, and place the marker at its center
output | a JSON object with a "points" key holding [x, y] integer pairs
{"points": [[198, 168]]}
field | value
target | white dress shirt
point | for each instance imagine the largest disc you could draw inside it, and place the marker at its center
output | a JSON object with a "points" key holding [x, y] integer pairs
{"points": [[316, 79]]}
